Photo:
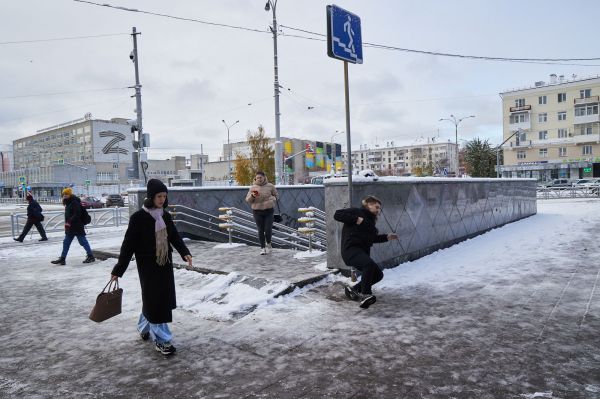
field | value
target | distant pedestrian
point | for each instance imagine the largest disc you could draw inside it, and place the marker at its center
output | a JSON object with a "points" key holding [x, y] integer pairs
{"points": [[358, 236], [74, 227], [149, 237], [34, 217], [261, 197]]}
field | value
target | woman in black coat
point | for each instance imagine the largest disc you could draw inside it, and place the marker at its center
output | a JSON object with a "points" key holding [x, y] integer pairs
{"points": [[358, 236], [149, 237]]}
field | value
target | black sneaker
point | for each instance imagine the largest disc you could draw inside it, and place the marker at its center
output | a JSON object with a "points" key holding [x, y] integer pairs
{"points": [[165, 348], [351, 293], [145, 335], [367, 300], [59, 261], [89, 259], [18, 239], [43, 239]]}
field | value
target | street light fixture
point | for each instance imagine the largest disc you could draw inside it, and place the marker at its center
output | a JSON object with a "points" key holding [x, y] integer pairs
{"points": [[229, 148], [272, 5], [456, 123]]}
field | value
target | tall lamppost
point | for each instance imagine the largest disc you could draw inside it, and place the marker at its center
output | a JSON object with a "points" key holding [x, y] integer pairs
{"points": [[498, 174], [333, 153], [229, 148], [456, 123], [272, 5]]}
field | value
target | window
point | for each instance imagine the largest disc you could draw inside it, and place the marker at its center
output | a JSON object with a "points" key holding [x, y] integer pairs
{"points": [[585, 93], [521, 154], [543, 134], [562, 151], [586, 129], [587, 150], [542, 100], [543, 153], [519, 118], [562, 133], [562, 116], [520, 102], [562, 97], [543, 117]]}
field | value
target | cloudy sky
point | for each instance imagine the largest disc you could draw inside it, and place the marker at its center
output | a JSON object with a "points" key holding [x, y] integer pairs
{"points": [[195, 74]]}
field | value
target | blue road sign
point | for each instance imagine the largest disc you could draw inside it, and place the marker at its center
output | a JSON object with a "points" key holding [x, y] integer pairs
{"points": [[445, 171], [344, 38]]}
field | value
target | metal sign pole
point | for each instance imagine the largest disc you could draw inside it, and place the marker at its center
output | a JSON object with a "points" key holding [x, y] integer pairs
{"points": [[348, 144]]}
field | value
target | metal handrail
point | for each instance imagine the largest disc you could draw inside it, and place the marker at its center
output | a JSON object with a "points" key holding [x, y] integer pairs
{"points": [[282, 234], [55, 220], [568, 192]]}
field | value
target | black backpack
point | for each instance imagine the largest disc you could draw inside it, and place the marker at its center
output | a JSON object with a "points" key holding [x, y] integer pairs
{"points": [[85, 216]]}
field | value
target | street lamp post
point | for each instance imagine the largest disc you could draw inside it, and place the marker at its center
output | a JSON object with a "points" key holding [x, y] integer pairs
{"points": [[229, 148], [456, 123], [333, 153], [498, 152], [272, 5]]}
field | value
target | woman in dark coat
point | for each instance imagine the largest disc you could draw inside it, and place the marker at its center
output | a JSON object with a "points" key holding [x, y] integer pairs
{"points": [[358, 236], [149, 237]]}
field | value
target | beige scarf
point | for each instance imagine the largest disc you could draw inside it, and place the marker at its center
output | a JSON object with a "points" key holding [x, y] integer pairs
{"points": [[161, 236]]}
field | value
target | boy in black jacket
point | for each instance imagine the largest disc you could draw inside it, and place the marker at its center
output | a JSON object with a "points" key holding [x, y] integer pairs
{"points": [[358, 236]]}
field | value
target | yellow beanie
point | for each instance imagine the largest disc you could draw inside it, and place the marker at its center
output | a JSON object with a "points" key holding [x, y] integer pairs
{"points": [[67, 191]]}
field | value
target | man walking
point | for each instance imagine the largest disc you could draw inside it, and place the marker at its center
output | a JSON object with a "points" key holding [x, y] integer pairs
{"points": [[74, 227], [34, 217], [358, 236]]}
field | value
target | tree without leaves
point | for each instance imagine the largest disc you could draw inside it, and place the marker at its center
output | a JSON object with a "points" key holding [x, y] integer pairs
{"points": [[262, 157], [480, 158]]}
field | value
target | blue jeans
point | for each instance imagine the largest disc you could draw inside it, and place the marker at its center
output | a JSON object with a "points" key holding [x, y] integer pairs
{"points": [[82, 241], [160, 332]]}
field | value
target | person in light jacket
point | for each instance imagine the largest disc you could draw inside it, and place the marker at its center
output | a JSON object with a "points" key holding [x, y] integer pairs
{"points": [[261, 197], [358, 236], [149, 237]]}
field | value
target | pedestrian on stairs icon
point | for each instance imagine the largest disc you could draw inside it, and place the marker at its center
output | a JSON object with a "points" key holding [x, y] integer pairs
{"points": [[344, 39]]}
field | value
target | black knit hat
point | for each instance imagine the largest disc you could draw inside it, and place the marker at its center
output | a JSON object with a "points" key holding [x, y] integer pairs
{"points": [[154, 187]]}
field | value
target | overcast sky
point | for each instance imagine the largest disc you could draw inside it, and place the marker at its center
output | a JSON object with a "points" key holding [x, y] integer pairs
{"points": [[194, 75]]}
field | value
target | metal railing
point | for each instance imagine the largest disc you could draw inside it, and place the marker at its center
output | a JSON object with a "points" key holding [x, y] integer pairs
{"points": [[55, 220], [244, 225], [567, 192]]}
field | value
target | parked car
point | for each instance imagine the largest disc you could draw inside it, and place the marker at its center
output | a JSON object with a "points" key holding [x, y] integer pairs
{"points": [[581, 182], [592, 183], [559, 183], [91, 202], [114, 200]]}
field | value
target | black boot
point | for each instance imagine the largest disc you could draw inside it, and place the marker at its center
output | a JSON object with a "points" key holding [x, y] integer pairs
{"points": [[43, 239], [89, 259], [18, 239], [59, 261]]}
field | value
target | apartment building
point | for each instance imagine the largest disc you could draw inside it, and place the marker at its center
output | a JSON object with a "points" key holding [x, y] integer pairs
{"points": [[552, 129], [402, 160]]}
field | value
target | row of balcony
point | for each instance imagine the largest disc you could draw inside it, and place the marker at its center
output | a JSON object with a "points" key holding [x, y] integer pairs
{"points": [[571, 140]]}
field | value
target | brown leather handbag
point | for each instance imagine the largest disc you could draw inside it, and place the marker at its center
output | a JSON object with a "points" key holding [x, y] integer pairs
{"points": [[108, 302]]}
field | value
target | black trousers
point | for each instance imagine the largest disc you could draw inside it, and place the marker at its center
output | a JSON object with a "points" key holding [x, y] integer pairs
{"points": [[264, 224], [371, 273], [38, 226]]}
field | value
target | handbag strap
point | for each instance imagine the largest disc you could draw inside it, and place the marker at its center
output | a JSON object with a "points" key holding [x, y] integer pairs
{"points": [[109, 285], [277, 202]]}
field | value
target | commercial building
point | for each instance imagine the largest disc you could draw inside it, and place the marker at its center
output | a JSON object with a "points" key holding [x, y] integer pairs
{"points": [[552, 129]]}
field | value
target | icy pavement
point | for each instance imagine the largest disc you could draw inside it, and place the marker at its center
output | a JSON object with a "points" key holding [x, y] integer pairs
{"points": [[514, 313]]}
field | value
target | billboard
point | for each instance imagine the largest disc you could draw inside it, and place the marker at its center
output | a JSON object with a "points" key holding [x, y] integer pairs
{"points": [[111, 142]]}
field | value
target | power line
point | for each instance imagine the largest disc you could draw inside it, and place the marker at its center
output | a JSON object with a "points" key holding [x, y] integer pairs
{"points": [[61, 92], [63, 38], [174, 17]]}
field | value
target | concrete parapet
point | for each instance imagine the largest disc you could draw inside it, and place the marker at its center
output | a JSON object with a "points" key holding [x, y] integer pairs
{"points": [[429, 214]]}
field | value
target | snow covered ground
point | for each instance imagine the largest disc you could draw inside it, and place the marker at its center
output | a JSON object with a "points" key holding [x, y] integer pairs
{"points": [[512, 313]]}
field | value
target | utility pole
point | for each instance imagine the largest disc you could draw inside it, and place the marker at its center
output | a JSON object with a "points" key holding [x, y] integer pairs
{"points": [[272, 5], [138, 107]]}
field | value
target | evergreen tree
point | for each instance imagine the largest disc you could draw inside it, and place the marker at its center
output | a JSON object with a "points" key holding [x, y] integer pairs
{"points": [[480, 158]]}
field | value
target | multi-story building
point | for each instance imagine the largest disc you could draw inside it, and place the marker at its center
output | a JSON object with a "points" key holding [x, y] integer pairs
{"points": [[552, 129], [402, 160], [105, 144]]}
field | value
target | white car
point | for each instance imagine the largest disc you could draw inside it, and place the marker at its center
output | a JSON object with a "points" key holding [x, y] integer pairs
{"points": [[591, 183]]}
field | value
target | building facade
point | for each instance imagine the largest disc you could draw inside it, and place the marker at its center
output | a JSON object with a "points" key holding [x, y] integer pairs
{"points": [[552, 129], [404, 160], [105, 144]]}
